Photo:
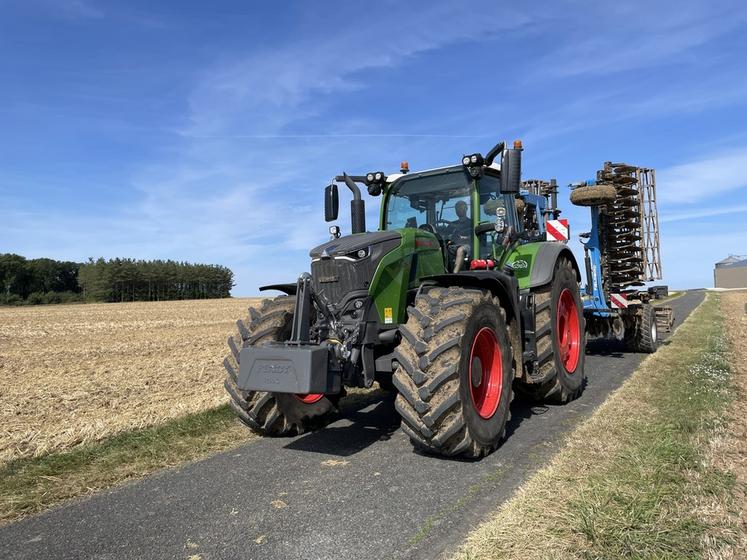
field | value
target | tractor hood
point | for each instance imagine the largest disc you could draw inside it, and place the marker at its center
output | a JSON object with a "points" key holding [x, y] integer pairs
{"points": [[344, 246], [342, 269]]}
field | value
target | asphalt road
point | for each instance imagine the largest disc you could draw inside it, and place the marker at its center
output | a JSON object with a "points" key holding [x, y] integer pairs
{"points": [[353, 490]]}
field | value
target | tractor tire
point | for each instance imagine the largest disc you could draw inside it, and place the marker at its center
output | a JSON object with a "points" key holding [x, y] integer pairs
{"points": [[561, 339], [644, 336], [271, 414], [454, 372], [593, 195]]}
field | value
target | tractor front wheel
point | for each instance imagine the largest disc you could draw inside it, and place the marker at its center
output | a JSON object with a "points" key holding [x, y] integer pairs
{"points": [[454, 372], [272, 414]]}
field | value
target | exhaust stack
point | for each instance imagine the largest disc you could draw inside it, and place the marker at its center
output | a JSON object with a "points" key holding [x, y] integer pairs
{"points": [[357, 206]]}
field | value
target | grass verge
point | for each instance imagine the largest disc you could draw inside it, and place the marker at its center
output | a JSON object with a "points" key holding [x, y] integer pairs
{"points": [[31, 485], [638, 479]]}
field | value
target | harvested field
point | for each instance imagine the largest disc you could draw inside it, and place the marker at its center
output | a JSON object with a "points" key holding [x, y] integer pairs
{"points": [[72, 374], [729, 448]]}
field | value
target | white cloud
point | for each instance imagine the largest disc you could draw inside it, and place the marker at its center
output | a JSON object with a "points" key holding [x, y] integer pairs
{"points": [[705, 213], [621, 38], [263, 91], [703, 180], [77, 9]]}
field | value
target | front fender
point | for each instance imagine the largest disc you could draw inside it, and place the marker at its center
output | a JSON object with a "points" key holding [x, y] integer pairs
{"points": [[504, 286], [289, 289]]}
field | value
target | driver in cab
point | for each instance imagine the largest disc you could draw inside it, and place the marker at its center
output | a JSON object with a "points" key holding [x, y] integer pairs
{"points": [[460, 235]]}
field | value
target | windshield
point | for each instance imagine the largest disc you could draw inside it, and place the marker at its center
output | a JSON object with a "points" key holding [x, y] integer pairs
{"points": [[428, 200], [443, 205]]}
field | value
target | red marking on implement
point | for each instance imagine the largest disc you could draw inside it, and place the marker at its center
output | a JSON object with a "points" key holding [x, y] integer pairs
{"points": [[557, 230], [618, 301]]}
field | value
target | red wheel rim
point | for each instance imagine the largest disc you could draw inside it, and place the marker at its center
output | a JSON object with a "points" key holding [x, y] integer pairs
{"points": [[485, 373], [310, 398], [569, 333]]}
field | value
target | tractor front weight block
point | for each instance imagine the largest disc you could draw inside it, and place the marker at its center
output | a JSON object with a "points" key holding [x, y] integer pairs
{"points": [[288, 368]]}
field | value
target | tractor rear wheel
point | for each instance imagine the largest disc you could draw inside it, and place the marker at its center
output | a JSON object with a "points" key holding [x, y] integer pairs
{"points": [[271, 414], [561, 340], [454, 372], [643, 336]]}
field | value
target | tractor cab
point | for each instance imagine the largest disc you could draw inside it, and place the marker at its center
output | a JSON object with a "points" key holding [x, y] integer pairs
{"points": [[468, 216]]}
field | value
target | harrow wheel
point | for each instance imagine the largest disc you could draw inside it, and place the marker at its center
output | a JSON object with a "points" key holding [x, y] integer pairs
{"points": [[643, 334], [593, 195]]}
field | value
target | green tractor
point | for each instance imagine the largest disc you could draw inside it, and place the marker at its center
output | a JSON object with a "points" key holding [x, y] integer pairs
{"points": [[456, 302]]}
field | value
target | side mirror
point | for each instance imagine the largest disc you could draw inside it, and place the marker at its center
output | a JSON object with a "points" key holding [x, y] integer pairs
{"points": [[331, 203], [511, 171]]}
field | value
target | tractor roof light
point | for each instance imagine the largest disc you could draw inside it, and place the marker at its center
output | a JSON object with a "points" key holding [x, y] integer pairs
{"points": [[375, 182], [375, 177], [474, 164]]}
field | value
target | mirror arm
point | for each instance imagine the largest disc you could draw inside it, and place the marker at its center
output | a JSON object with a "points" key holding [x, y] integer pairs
{"points": [[497, 149], [348, 180]]}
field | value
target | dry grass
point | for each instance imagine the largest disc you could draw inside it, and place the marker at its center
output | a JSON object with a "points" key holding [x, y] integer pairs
{"points": [[75, 374], [638, 479], [728, 450]]}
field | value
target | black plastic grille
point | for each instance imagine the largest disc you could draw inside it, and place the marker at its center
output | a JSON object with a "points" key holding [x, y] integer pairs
{"points": [[333, 279]]}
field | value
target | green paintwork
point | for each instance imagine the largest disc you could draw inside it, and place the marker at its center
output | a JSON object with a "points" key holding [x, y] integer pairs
{"points": [[393, 277], [525, 253]]}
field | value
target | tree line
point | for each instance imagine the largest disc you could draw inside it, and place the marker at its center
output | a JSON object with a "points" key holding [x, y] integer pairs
{"points": [[35, 281]]}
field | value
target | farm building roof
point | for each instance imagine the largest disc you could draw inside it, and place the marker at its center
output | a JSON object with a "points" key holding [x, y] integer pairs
{"points": [[732, 260]]}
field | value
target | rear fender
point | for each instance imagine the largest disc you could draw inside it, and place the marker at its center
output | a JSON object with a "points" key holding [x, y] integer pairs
{"points": [[547, 257]]}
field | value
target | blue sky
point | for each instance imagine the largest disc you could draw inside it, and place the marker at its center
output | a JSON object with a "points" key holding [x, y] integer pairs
{"points": [[177, 130]]}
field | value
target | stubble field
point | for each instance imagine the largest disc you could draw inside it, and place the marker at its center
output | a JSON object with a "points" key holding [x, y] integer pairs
{"points": [[73, 374]]}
